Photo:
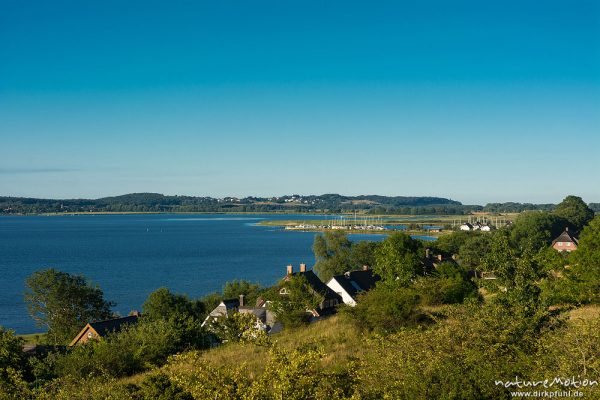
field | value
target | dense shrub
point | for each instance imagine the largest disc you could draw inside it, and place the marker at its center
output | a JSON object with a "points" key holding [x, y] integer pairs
{"points": [[444, 290], [136, 348], [290, 375], [385, 309], [91, 388], [12, 366], [160, 387], [448, 284]]}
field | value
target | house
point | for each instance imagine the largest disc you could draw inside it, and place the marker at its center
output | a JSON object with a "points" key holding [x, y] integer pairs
{"points": [[223, 309], [265, 318], [350, 284], [330, 298], [565, 242], [466, 227], [99, 329], [431, 261]]}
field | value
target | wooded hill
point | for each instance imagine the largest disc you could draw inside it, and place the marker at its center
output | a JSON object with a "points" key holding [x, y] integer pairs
{"points": [[326, 203]]}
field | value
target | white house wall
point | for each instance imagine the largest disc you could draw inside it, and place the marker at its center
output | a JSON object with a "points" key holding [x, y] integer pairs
{"points": [[336, 287]]}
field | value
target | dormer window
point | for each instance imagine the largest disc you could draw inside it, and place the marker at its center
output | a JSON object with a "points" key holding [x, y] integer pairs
{"points": [[283, 291]]}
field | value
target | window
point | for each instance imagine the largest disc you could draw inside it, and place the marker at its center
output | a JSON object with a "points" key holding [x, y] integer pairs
{"points": [[568, 244], [89, 335], [283, 291], [560, 243]]}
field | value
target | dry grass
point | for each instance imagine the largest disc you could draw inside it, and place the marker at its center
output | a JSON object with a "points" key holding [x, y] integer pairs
{"points": [[584, 313], [33, 338], [339, 339]]}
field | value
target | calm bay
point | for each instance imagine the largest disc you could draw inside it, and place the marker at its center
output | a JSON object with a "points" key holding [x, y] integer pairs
{"points": [[129, 256]]}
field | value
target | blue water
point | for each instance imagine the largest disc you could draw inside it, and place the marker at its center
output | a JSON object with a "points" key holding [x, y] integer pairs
{"points": [[129, 256]]}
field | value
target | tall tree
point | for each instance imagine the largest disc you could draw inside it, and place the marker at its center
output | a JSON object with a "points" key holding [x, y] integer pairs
{"points": [[583, 278], [575, 211], [473, 250], [535, 230], [453, 242], [233, 289], [397, 259], [363, 253], [162, 304], [333, 254], [64, 303]]}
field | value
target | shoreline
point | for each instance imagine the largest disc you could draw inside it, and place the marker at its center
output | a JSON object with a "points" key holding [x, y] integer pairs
{"points": [[57, 214]]}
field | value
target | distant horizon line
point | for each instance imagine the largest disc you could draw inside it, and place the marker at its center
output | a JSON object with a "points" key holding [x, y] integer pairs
{"points": [[274, 196]]}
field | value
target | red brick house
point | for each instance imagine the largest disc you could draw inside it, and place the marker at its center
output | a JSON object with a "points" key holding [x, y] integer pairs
{"points": [[565, 242]]}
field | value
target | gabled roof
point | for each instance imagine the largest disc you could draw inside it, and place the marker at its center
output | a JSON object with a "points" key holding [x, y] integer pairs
{"points": [[223, 308], [317, 285], [231, 303], [103, 328], [356, 281], [566, 236]]}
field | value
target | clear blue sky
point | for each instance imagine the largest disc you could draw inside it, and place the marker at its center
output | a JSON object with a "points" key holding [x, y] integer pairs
{"points": [[470, 100]]}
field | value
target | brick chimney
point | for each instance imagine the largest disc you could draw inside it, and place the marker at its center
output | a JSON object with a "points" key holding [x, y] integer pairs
{"points": [[302, 267], [290, 269], [241, 300], [439, 257], [365, 267], [427, 251]]}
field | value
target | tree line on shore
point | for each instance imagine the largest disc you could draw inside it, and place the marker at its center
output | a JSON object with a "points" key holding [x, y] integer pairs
{"points": [[328, 203], [422, 333]]}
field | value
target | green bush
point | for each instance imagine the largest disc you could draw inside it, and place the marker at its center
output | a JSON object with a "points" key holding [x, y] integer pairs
{"points": [[448, 284], [12, 366], [160, 387], [443, 290], [136, 348], [385, 309]]}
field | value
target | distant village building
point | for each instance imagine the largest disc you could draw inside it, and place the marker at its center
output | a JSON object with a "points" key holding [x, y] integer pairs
{"points": [[466, 227], [98, 330], [565, 242], [350, 284], [476, 226]]}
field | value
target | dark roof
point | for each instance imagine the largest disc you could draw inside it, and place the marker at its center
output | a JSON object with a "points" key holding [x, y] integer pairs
{"points": [[318, 286], [231, 303], [356, 281], [112, 325], [566, 236]]}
